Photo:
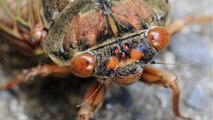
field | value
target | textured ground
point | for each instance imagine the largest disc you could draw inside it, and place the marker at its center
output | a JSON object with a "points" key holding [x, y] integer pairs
{"points": [[55, 98]]}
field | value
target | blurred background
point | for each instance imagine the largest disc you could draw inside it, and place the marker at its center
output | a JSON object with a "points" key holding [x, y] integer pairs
{"points": [[55, 98]]}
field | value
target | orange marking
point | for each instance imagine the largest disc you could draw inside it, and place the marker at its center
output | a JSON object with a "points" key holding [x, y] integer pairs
{"points": [[113, 26], [113, 62], [136, 55]]}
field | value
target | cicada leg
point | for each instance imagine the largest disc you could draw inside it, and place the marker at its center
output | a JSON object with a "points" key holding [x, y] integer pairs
{"points": [[152, 75], [92, 100], [177, 25], [42, 71]]}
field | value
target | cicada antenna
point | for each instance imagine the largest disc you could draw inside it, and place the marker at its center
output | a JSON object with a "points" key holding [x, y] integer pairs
{"points": [[182, 64], [96, 90]]}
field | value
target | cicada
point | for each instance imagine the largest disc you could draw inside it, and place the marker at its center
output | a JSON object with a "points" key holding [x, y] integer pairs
{"points": [[107, 40]]}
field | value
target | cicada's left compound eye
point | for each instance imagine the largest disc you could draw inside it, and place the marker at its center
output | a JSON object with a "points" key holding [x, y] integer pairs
{"points": [[82, 65], [159, 37]]}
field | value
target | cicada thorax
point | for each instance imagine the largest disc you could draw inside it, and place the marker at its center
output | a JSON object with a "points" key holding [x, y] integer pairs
{"points": [[50, 10], [60, 51]]}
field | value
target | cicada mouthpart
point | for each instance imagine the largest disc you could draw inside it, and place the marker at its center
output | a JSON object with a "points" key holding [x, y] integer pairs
{"points": [[128, 72]]}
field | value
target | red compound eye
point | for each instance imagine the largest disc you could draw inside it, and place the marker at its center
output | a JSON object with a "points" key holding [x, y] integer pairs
{"points": [[123, 55], [82, 65], [159, 37], [116, 50]]}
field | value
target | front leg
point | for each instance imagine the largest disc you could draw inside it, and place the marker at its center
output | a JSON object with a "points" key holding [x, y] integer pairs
{"points": [[42, 71], [152, 75], [178, 25], [92, 100]]}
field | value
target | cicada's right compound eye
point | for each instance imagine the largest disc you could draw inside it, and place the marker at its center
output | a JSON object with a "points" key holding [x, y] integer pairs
{"points": [[82, 65]]}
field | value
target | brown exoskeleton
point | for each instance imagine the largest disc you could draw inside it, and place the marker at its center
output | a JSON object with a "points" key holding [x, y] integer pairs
{"points": [[111, 40]]}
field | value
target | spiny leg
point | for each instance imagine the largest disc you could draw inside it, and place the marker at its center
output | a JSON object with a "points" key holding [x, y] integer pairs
{"points": [[152, 75], [178, 25], [92, 100], [42, 71]]}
